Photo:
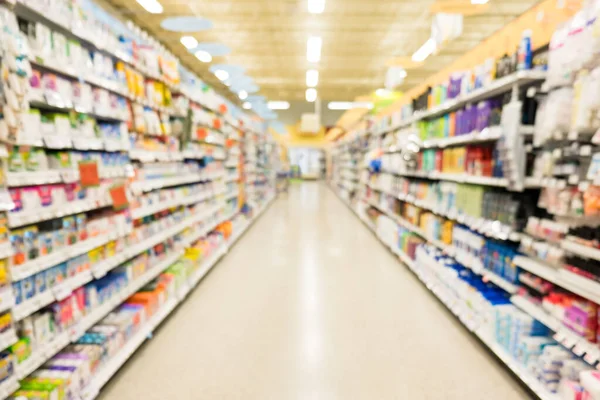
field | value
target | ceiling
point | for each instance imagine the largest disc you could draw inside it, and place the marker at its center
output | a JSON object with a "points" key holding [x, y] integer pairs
{"points": [[268, 38]]}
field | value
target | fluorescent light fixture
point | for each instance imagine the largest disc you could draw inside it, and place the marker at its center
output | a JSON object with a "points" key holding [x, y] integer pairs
{"points": [[311, 95], [312, 78], [243, 95], [382, 92], [152, 6], [424, 51], [247, 105], [222, 74], [348, 105], [278, 105], [189, 42], [479, 1], [203, 56], [313, 49], [316, 6]]}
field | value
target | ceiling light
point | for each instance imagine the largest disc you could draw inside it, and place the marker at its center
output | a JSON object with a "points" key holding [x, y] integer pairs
{"points": [[203, 56], [278, 105], [189, 42], [313, 49], [348, 105], [382, 92], [424, 51], [243, 95], [479, 1], [152, 6], [316, 6], [311, 95], [222, 74], [312, 78], [247, 105]]}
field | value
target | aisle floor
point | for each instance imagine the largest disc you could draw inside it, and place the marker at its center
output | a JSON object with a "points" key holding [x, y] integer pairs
{"points": [[310, 306]]}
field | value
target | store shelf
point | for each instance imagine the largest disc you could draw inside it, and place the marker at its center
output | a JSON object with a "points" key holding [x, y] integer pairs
{"points": [[500, 282], [495, 88], [164, 205], [16, 219], [41, 354], [39, 264], [453, 306], [111, 367], [568, 280], [94, 316], [486, 135], [536, 312], [442, 246], [7, 339], [206, 265], [492, 229], [577, 344], [524, 375], [459, 178], [580, 250], [146, 156], [148, 185], [41, 300]]}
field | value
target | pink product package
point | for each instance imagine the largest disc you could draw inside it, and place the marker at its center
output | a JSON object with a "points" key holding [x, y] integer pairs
{"points": [[581, 317]]}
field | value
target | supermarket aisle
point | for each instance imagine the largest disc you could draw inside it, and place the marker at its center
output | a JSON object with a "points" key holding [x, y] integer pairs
{"points": [[309, 305]]}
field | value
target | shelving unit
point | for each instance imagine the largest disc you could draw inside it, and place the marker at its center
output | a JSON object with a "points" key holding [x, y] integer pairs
{"points": [[142, 179], [391, 195]]}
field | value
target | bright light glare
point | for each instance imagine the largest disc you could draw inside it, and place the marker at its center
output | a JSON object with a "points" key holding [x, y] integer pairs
{"points": [[278, 105], [222, 74], [152, 6], [348, 105], [203, 56], [313, 49], [402, 73], [247, 105], [311, 95], [243, 95], [424, 51], [189, 42], [316, 6], [312, 78], [382, 92], [479, 1]]}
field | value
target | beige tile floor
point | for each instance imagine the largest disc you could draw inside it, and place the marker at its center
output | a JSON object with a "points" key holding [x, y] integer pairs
{"points": [[309, 306]]}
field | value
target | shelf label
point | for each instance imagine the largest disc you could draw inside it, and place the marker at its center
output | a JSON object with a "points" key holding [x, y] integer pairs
{"points": [[88, 174], [118, 194]]}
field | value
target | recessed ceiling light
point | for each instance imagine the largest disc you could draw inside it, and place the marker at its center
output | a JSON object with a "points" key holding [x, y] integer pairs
{"points": [[243, 95], [203, 56], [189, 42], [313, 49], [185, 24], [247, 105], [316, 6], [152, 6], [278, 105], [311, 95], [222, 74], [348, 105], [424, 51], [312, 78]]}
